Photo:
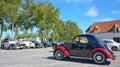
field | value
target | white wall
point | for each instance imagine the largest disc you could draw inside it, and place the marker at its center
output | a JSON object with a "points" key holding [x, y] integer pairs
{"points": [[107, 35]]}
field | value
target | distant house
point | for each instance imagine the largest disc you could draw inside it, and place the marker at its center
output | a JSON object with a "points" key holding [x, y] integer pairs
{"points": [[106, 30]]}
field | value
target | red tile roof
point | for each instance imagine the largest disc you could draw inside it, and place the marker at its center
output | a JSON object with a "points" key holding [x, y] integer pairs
{"points": [[106, 26]]}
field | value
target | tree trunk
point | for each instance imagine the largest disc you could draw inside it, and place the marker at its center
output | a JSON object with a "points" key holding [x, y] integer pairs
{"points": [[1, 29], [12, 36]]}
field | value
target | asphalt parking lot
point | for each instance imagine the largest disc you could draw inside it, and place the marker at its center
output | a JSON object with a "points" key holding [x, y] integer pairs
{"points": [[44, 58]]}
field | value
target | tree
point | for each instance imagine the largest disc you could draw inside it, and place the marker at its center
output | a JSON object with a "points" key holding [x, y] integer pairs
{"points": [[58, 31], [71, 29], [65, 31], [11, 12], [45, 16], [3, 17], [27, 14]]}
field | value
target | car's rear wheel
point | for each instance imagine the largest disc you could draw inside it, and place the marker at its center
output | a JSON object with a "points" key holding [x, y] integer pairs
{"points": [[99, 57], [114, 48], [59, 54]]}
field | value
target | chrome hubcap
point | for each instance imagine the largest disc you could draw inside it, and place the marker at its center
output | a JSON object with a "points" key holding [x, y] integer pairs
{"points": [[99, 57], [58, 54]]}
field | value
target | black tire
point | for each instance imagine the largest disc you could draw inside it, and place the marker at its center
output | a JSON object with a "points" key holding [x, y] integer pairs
{"points": [[59, 54], [12, 46], [114, 48], [25, 46], [99, 58], [22, 46], [2, 46]]}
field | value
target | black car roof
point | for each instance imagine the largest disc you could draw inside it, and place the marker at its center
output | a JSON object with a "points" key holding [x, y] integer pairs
{"points": [[86, 35]]}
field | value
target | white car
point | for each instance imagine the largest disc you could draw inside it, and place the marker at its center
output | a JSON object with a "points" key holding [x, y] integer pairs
{"points": [[111, 44], [8, 44], [28, 44]]}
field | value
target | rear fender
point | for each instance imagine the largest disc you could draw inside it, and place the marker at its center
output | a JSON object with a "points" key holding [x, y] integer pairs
{"points": [[106, 52], [63, 49]]}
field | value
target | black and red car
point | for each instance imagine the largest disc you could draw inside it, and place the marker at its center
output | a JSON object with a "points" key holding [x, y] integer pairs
{"points": [[84, 46]]}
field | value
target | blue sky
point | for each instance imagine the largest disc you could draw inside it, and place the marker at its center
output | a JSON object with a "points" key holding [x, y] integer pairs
{"points": [[86, 12]]}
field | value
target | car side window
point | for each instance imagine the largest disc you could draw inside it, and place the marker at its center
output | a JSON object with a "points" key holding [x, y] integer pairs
{"points": [[77, 39], [109, 41], [81, 39]]}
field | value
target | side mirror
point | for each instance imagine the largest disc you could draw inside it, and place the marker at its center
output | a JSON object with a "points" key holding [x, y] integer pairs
{"points": [[105, 42]]}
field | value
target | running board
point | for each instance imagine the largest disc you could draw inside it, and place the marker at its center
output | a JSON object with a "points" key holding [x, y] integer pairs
{"points": [[80, 57]]}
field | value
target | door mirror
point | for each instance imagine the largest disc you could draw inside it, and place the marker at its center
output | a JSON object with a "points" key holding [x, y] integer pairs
{"points": [[105, 42]]}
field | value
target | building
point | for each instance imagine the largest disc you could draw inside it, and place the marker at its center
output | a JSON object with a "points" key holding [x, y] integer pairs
{"points": [[106, 30]]}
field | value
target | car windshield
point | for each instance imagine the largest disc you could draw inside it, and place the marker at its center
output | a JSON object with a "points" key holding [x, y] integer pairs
{"points": [[109, 42]]}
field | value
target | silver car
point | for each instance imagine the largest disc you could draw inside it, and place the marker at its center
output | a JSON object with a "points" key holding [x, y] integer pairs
{"points": [[111, 44], [8, 44]]}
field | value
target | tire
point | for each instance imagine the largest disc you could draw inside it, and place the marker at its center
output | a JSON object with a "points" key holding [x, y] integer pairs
{"points": [[25, 46], [59, 54], [12, 46], [22, 46], [99, 58], [114, 48], [2, 46]]}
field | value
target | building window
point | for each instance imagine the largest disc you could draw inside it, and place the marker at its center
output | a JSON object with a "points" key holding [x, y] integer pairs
{"points": [[96, 30], [117, 39], [117, 30]]}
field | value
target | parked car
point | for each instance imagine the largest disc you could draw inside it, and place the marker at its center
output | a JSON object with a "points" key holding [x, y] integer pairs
{"points": [[11, 44], [111, 44], [20, 46], [84, 46], [36, 40], [0, 43], [28, 44], [38, 45], [8, 44]]}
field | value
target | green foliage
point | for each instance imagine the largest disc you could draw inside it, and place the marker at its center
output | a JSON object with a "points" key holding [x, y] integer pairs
{"points": [[9, 12], [45, 16], [65, 31], [71, 30], [25, 15]]}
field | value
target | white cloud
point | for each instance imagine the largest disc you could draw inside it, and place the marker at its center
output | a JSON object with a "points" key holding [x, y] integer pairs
{"points": [[105, 19], [115, 12], [92, 12]]}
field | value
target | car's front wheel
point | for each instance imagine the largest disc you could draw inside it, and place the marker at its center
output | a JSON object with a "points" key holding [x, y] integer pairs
{"points": [[59, 54], [2, 46], [12, 46], [99, 57]]}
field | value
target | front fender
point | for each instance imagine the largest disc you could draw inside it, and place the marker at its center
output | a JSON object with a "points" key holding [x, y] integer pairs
{"points": [[63, 49], [106, 52]]}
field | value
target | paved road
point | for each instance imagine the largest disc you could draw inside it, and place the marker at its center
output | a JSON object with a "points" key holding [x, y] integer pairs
{"points": [[43, 58]]}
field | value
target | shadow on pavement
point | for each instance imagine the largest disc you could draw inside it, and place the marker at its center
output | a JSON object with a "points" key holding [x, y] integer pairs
{"points": [[51, 51], [84, 61]]}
